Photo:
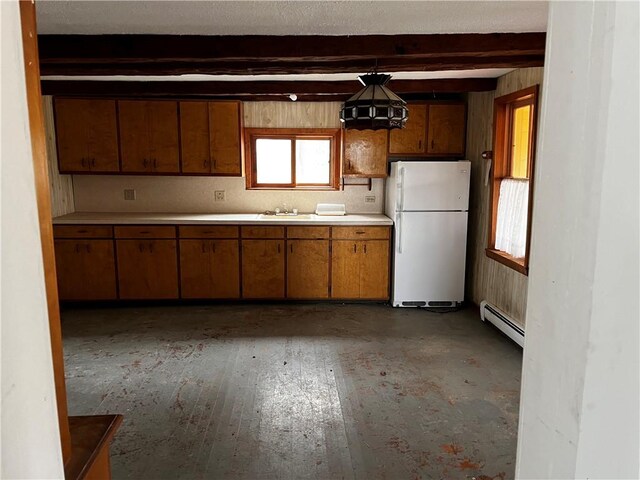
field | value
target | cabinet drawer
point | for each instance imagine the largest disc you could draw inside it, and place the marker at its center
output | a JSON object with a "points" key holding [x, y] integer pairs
{"points": [[189, 231], [83, 231], [307, 232], [352, 233], [145, 231], [252, 231]]}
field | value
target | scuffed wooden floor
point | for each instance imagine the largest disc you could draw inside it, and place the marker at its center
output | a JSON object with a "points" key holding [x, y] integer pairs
{"points": [[318, 391]]}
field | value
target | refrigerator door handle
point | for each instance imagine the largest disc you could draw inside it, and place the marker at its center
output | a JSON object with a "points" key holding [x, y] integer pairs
{"points": [[401, 190], [399, 229]]}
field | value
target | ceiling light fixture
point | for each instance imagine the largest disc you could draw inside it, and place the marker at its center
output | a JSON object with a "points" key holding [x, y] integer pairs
{"points": [[375, 107]]}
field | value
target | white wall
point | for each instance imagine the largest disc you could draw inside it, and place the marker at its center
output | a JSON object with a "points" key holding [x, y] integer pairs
{"points": [[579, 414], [105, 193], [29, 431]]}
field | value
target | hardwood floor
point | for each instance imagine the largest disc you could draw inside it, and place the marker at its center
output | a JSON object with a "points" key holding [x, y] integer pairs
{"points": [[297, 391]]}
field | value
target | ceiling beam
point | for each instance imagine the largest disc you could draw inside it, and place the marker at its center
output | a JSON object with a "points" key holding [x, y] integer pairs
{"points": [[337, 90], [258, 54]]}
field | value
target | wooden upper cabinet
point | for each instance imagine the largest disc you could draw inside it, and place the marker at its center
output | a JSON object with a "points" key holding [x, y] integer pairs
{"points": [[194, 137], [225, 120], [149, 136], [412, 138], [210, 138], [87, 135], [446, 135], [365, 153]]}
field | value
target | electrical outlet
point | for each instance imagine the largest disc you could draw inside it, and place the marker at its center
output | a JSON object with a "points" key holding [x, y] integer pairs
{"points": [[129, 194], [219, 195], [369, 199]]}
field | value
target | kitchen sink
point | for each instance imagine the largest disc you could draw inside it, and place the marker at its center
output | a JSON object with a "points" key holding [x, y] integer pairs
{"points": [[286, 218]]}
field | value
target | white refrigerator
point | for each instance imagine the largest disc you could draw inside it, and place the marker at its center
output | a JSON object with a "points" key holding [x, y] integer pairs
{"points": [[429, 203]]}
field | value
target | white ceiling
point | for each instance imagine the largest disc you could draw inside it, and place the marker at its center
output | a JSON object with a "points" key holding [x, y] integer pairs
{"points": [[480, 73], [289, 17]]}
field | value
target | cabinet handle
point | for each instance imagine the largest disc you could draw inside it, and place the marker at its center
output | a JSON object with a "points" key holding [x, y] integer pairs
{"points": [[419, 144], [203, 246], [213, 247], [355, 248], [278, 248], [360, 232], [432, 144], [144, 162], [291, 247], [83, 162], [144, 232], [365, 248]]}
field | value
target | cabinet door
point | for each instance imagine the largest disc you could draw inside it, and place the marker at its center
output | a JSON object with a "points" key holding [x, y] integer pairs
{"points": [[263, 268], [446, 135], [374, 269], [194, 137], [365, 153], [307, 269], [412, 138], [163, 137], [345, 269], [87, 137], [209, 269], [85, 269], [147, 269], [149, 136], [224, 133]]}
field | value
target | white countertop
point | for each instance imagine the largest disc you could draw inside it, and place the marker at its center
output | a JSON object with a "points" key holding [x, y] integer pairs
{"points": [[117, 218]]}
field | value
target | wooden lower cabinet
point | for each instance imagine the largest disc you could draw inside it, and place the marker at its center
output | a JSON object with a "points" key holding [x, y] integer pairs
{"points": [[360, 269], [374, 269], [85, 269], [308, 269], [263, 273], [147, 269], [209, 268]]}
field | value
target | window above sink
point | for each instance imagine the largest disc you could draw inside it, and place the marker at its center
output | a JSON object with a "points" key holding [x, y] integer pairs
{"points": [[293, 159]]}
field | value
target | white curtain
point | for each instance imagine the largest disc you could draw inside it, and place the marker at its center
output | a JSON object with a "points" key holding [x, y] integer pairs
{"points": [[511, 226]]}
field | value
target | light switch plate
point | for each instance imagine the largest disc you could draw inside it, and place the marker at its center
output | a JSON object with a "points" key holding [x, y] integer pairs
{"points": [[219, 195], [129, 194], [369, 199]]}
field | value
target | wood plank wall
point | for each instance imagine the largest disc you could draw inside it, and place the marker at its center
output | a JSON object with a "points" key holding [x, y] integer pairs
{"points": [[486, 278], [61, 186], [291, 114]]}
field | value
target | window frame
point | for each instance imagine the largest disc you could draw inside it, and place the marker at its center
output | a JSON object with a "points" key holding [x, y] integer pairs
{"points": [[251, 135], [502, 167]]}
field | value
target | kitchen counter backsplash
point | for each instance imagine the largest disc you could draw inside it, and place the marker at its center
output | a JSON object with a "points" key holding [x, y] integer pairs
{"points": [[105, 193]]}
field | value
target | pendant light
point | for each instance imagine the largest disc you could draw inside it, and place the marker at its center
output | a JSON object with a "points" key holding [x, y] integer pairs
{"points": [[375, 107]]}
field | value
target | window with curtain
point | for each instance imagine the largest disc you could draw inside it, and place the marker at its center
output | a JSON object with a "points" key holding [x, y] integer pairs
{"points": [[511, 191]]}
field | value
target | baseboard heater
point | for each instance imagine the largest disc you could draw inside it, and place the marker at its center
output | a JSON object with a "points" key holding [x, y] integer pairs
{"points": [[502, 321]]}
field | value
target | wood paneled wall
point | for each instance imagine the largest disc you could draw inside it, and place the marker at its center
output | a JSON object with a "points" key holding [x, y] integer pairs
{"points": [[291, 114], [486, 278], [61, 186]]}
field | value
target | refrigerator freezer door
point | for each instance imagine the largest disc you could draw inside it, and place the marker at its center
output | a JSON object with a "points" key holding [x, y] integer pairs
{"points": [[429, 258], [432, 186]]}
